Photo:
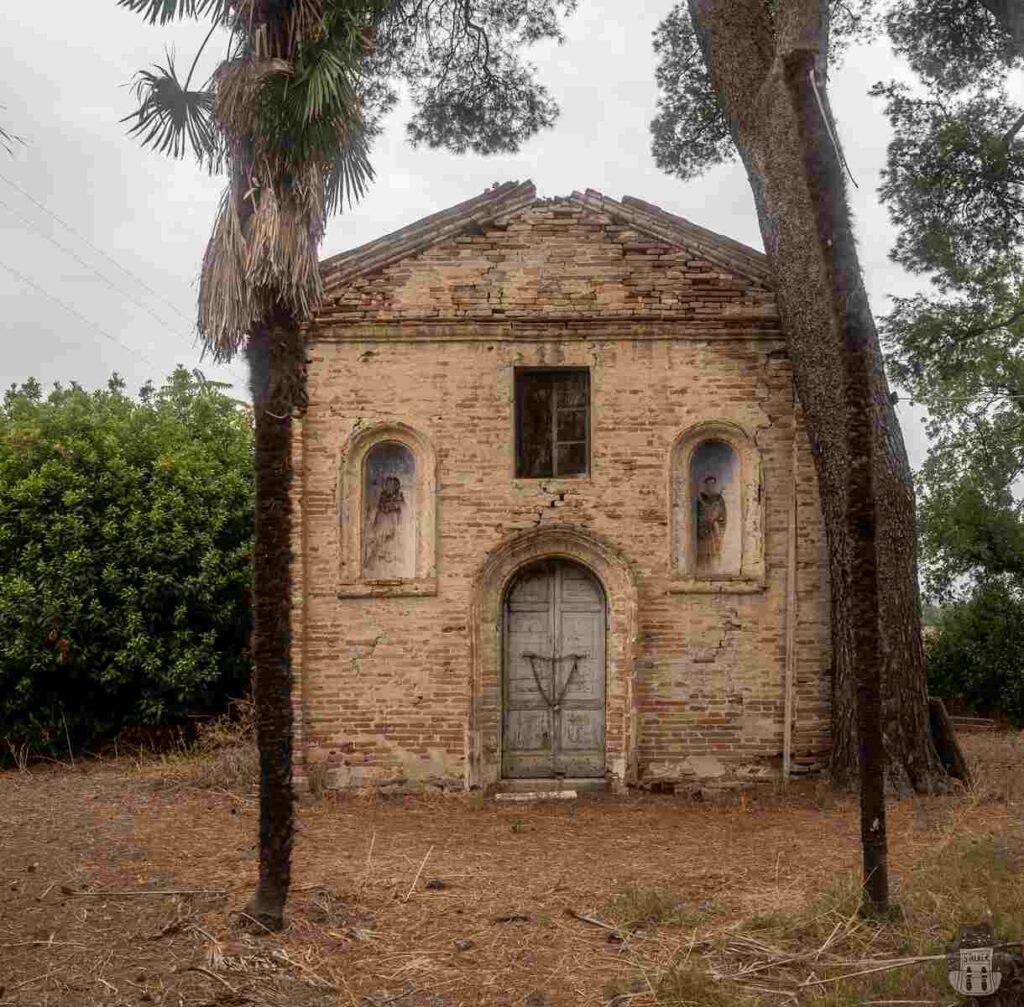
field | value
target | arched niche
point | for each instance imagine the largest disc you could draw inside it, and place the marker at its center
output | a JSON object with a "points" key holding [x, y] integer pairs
{"points": [[717, 537], [389, 512], [386, 493]]}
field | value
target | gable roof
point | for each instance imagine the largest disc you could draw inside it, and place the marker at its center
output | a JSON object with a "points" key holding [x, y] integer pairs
{"points": [[406, 241], [503, 200]]}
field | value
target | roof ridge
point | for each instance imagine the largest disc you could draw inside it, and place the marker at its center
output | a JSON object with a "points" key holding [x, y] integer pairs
{"points": [[720, 248], [409, 239]]}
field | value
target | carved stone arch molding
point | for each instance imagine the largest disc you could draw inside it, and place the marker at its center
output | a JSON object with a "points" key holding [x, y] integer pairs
{"points": [[503, 563], [419, 576], [700, 454]]}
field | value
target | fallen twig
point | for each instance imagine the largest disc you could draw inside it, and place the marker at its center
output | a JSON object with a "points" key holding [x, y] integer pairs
{"points": [[511, 918], [35, 979], [212, 975], [592, 920], [252, 919], [412, 887], [45, 944], [129, 893], [305, 968], [887, 967]]}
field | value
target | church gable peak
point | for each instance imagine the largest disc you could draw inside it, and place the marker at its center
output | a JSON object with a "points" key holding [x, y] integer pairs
{"points": [[503, 203]]}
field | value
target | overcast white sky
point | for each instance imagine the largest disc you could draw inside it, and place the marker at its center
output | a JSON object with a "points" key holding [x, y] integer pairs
{"points": [[63, 81]]}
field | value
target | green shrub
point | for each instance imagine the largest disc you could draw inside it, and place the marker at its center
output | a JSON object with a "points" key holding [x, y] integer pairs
{"points": [[125, 542], [976, 653]]}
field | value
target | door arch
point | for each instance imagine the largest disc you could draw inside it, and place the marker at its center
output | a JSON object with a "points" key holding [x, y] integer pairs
{"points": [[553, 682]]}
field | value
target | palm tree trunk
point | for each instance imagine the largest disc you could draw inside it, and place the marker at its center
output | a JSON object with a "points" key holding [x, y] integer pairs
{"points": [[276, 355]]}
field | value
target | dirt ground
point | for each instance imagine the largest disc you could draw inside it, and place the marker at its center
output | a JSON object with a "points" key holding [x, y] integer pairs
{"points": [[442, 901]]}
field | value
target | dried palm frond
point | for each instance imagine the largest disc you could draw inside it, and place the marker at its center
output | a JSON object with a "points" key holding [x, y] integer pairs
{"points": [[225, 311], [306, 18], [291, 121], [237, 83]]}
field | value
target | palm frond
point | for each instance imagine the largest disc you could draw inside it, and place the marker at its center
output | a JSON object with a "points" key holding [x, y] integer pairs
{"points": [[283, 236], [162, 11], [326, 82], [173, 119], [225, 305], [285, 110], [350, 172], [7, 138]]}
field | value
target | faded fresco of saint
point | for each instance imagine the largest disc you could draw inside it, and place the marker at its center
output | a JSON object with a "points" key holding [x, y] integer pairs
{"points": [[717, 532], [389, 525], [712, 518]]}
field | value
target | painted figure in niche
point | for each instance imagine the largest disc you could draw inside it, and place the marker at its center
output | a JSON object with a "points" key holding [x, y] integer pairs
{"points": [[711, 524], [382, 544], [389, 535]]}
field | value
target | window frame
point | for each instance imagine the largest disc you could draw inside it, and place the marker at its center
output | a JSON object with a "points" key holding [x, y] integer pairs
{"points": [[518, 390]]}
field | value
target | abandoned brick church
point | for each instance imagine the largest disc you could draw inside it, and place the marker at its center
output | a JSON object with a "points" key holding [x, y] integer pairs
{"points": [[555, 509]]}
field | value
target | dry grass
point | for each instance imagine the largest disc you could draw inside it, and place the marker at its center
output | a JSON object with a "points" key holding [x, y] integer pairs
{"points": [[447, 901], [223, 758], [639, 906], [997, 764]]}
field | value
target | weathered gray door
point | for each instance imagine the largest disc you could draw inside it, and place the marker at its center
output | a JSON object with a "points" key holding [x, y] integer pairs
{"points": [[553, 695]]}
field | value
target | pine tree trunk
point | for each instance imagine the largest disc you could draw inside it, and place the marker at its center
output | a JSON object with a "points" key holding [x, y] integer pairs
{"points": [[277, 361], [760, 72]]}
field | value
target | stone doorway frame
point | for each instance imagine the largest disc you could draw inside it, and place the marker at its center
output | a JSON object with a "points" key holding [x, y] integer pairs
{"points": [[613, 573]]}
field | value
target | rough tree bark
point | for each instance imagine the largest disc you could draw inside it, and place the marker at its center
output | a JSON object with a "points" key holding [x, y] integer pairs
{"points": [[277, 361], [761, 71]]}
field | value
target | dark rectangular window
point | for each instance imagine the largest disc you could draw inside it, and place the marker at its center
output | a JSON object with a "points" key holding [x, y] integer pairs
{"points": [[552, 423]]}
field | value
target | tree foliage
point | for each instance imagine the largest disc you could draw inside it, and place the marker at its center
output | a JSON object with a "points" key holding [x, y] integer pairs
{"points": [[293, 109], [954, 186], [125, 548], [689, 133], [974, 655]]}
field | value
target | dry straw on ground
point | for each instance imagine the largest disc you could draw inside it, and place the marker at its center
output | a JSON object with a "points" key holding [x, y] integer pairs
{"points": [[459, 901]]}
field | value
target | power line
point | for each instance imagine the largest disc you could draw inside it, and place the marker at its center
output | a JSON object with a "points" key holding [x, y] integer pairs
{"points": [[77, 314], [86, 265], [99, 251]]}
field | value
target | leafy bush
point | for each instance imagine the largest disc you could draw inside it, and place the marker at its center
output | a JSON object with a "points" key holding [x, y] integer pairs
{"points": [[125, 543], [976, 653]]}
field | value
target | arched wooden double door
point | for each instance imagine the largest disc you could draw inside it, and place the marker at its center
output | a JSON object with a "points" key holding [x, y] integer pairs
{"points": [[554, 673]]}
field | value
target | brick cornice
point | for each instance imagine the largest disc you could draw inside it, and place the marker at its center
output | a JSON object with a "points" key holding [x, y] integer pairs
{"points": [[544, 327]]}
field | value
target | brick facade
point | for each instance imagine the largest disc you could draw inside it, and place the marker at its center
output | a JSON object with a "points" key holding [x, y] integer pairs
{"points": [[398, 683]]}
